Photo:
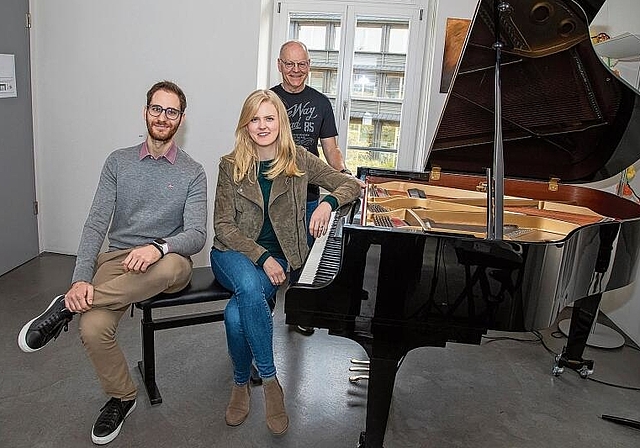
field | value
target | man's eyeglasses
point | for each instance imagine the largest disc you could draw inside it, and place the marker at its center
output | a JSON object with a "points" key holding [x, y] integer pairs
{"points": [[302, 65], [156, 110]]}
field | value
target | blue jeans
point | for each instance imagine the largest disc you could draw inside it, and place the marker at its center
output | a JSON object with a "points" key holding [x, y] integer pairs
{"points": [[247, 316], [311, 207]]}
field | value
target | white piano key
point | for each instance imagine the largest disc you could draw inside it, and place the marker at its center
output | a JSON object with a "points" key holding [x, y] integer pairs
{"points": [[315, 255]]}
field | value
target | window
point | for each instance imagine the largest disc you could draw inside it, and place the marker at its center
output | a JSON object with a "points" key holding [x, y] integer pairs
{"points": [[364, 84], [389, 135], [393, 86], [368, 38], [398, 40], [313, 36], [364, 73], [317, 80]]}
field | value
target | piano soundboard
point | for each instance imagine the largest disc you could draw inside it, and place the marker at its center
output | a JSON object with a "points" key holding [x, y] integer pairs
{"points": [[416, 207]]}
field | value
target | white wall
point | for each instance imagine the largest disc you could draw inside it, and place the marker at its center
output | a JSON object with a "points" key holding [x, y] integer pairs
{"points": [[615, 18], [92, 65]]}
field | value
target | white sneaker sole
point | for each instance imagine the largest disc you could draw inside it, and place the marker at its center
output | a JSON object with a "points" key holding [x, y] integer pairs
{"points": [[22, 336]]}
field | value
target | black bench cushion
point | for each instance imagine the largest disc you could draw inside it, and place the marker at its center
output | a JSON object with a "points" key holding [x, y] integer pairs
{"points": [[202, 288]]}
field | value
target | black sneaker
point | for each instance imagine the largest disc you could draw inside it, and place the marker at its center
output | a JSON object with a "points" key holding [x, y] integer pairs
{"points": [[40, 330], [109, 422]]}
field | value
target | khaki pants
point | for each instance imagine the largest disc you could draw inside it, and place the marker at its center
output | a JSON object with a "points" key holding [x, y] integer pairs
{"points": [[114, 291]]}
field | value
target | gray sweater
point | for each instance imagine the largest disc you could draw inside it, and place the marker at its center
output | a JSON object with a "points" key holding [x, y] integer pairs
{"points": [[138, 201]]}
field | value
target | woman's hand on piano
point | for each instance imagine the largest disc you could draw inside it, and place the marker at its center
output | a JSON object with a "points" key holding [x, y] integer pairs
{"points": [[319, 222], [274, 271]]}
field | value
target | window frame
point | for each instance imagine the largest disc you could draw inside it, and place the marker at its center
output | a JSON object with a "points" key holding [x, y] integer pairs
{"points": [[420, 14]]}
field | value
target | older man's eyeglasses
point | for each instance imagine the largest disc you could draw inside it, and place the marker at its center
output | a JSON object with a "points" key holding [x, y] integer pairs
{"points": [[289, 65], [156, 110]]}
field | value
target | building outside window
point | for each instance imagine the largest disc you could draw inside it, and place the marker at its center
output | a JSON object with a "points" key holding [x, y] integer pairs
{"points": [[377, 80]]}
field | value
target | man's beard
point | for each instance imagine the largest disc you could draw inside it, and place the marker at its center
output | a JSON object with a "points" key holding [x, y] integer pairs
{"points": [[162, 137]]}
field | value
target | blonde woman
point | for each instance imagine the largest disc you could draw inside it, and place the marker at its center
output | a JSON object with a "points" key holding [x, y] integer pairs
{"points": [[260, 232]]}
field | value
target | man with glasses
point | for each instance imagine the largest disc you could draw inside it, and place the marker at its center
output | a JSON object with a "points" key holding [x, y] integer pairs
{"points": [[311, 117], [152, 200]]}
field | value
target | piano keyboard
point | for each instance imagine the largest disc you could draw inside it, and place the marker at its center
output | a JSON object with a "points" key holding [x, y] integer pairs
{"points": [[323, 261]]}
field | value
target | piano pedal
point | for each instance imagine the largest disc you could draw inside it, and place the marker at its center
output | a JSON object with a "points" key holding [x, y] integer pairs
{"points": [[360, 366], [362, 440], [354, 379], [359, 361]]}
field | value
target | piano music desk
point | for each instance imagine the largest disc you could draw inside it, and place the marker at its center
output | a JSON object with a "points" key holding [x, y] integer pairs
{"points": [[203, 288]]}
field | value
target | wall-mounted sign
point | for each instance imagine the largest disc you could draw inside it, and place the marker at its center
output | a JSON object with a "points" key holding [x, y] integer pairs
{"points": [[8, 76]]}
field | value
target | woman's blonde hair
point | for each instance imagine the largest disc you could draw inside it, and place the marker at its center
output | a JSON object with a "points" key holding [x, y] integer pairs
{"points": [[245, 153]]}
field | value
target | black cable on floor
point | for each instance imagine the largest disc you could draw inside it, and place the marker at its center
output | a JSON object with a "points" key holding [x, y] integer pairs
{"points": [[510, 338], [618, 386]]}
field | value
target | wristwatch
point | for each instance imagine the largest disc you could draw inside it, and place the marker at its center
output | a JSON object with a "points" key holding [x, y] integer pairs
{"points": [[346, 171], [161, 245]]}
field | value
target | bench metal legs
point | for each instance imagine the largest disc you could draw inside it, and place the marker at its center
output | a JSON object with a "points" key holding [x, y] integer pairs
{"points": [[149, 326], [147, 366]]}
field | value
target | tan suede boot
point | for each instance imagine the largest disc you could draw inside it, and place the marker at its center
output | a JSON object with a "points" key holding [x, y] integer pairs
{"points": [[238, 407], [277, 419]]}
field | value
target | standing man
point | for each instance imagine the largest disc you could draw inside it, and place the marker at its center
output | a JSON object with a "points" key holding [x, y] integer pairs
{"points": [[152, 200], [311, 117]]}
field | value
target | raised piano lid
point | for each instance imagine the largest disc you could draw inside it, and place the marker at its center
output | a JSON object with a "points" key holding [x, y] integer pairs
{"points": [[565, 115]]}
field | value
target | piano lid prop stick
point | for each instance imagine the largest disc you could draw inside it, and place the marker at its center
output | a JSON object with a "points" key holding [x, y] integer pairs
{"points": [[497, 209]]}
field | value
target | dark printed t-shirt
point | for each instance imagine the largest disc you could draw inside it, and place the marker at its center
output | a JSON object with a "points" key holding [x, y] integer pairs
{"points": [[311, 117]]}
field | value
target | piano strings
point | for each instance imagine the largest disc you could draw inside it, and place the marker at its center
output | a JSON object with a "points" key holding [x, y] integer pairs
{"points": [[418, 207]]}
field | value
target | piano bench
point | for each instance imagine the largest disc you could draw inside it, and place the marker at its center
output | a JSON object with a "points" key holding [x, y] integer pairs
{"points": [[202, 288]]}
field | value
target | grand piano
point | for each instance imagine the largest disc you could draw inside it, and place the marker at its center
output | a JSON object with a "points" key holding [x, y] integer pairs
{"points": [[445, 254]]}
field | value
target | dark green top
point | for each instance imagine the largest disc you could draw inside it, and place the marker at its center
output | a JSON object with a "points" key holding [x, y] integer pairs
{"points": [[267, 237]]}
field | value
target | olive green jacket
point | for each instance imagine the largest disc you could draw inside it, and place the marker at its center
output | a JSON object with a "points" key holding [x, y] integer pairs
{"points": [[239, 213]]}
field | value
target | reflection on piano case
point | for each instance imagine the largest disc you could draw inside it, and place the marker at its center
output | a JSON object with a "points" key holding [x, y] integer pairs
{"points": [[413, 265]]}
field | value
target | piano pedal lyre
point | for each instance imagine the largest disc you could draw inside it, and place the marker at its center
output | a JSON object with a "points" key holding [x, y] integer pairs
{"points": [[360, 366]]}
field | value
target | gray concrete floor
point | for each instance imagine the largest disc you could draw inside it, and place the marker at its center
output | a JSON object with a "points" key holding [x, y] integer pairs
{"points": [[498, 394]]}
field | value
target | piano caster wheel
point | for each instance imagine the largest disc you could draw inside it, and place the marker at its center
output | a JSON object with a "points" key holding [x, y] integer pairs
{"points": [[584, 368], [584, 372], [557, 368]]}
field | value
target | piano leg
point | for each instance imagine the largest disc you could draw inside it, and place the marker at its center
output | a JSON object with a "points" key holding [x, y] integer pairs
{"points": [[382, 377], [582, 318]]}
